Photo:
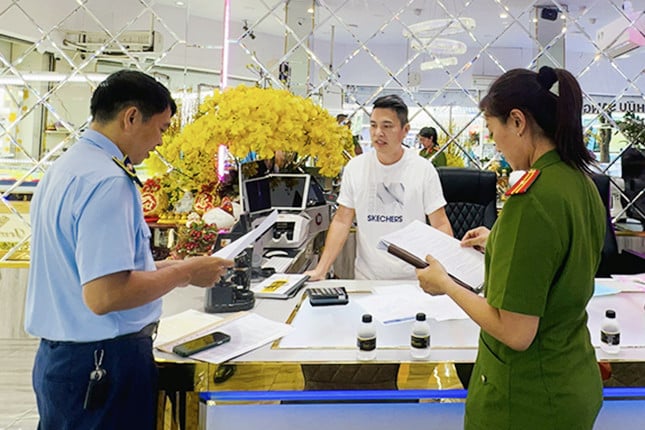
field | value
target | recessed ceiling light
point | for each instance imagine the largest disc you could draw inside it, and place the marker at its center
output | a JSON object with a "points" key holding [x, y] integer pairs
{"points": [[310, 10], [179, 3], [503, 15]]}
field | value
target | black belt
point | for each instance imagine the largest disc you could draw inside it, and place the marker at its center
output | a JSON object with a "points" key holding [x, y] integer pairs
{"points": [[148, 331]]}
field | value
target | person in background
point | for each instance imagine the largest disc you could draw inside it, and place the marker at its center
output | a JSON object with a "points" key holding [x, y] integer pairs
{"points": [[536, 367], [94, 291], [342, 119], [428, 139], [385, 190]]}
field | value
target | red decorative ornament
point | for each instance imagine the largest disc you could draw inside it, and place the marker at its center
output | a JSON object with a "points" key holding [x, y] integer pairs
{"points": [[153, 199], [204, 202], [152, 185], [149, 202], [227, 205]]}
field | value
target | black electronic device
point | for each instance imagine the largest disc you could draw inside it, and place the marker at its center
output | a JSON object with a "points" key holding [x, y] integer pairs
{"points": [[281, 191], [326, 296], [549, 13], [232, 293], [202, 343]]}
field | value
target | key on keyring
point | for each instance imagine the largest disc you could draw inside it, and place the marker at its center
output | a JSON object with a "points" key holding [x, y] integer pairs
{"points": [[97, 387]]}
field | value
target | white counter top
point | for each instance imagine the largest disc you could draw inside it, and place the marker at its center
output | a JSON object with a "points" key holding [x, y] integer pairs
{"points": [[454, 340]]}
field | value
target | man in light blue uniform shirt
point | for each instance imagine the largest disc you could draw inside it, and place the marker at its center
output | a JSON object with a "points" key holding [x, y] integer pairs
{"points": [[94, 294]]}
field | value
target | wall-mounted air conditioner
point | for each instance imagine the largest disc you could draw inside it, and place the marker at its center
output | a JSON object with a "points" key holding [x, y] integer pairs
{"points": [[134, 42], [618, 37]]}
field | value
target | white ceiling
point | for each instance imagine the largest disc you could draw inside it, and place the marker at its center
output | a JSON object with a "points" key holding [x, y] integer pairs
{"points": [[364, 18]]}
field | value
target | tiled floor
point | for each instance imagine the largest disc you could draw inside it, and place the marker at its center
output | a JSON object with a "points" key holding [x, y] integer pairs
{"points": [[17, 400]]}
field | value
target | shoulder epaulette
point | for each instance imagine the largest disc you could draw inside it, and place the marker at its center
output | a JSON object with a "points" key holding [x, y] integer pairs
{"points": [[128, 168], [523, 184]]}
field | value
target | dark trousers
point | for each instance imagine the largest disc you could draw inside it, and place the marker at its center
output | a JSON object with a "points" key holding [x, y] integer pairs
{"points": [[61, 375]]}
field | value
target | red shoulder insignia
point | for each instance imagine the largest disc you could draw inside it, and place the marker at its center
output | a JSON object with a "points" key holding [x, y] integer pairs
{"points": [[523, 184]]}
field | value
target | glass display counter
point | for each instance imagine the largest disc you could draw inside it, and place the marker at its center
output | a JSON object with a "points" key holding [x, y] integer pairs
{"points": [[383, 409]]}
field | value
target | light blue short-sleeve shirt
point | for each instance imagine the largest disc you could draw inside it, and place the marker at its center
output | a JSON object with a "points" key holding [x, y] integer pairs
{"points": [[87, 222]]}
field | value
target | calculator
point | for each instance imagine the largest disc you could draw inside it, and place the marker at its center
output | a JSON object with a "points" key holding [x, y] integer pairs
{"points": [[327, 296]]}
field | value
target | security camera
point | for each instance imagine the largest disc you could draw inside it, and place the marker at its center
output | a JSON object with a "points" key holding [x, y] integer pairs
{"points": [[550, 14]]}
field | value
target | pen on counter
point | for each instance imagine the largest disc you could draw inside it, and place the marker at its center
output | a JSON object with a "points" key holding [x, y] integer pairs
{"points": [[398, 320]]}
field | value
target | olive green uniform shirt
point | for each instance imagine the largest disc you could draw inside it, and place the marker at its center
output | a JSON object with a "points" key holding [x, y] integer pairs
{"points": [[541, 258], [439, 161]]}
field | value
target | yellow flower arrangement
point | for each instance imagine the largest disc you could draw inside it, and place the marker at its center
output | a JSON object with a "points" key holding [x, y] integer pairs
{"points": [[454, 156], [254, 120]]}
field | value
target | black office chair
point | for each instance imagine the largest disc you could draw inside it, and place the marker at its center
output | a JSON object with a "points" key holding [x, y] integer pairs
{"points": [[471, 201], [612, 261], [471, 197]]}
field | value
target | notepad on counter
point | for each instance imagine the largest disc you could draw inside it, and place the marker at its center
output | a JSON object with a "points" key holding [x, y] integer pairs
{"points": [[413, 242], [279, 286]]}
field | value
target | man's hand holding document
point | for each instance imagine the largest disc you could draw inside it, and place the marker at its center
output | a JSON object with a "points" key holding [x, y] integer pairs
{"points": [[413, 242]]}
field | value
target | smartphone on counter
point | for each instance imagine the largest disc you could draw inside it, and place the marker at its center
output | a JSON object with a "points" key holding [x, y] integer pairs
{"points": [[202, 343]]}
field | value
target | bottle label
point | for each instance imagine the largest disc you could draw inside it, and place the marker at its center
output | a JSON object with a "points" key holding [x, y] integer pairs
{"points": [[420, 342], [610, 338], [366, 344]]}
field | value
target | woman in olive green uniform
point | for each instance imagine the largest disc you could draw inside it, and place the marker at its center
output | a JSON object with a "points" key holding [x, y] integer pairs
{"points": [[536, 367], [430, 146]]}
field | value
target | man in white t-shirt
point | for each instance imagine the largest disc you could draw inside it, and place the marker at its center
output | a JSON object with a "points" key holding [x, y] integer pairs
{"points": [[385, 190]]}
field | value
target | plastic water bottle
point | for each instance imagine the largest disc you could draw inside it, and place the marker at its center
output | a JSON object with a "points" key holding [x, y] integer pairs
{"points": [[420, 338], [610, 333], [366, 339]]}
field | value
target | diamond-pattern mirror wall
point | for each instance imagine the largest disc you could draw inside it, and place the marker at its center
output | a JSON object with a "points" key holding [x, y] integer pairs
{"points": [[440, 55]]}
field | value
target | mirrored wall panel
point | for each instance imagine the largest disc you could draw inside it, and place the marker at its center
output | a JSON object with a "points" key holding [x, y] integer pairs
{"points": [[439, 55]]}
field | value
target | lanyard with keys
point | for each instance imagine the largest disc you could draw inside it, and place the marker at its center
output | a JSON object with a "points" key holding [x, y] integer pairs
{"points": [[97, 387]]}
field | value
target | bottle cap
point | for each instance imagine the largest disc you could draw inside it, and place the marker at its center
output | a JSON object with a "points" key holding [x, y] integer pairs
{"points": [[609, 313], [367, 318], [421, 316]]}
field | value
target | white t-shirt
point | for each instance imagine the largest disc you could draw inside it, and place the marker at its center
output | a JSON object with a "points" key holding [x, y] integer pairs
{"points": [[386, 199]]}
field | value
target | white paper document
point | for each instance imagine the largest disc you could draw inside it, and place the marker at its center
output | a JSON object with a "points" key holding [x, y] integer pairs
{"points": [[421, 239], [234, 248], [401, 303], [334, 327], [247, 330], [175, 326]]}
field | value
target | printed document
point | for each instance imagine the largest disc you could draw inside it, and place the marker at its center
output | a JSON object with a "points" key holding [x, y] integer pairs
{"points": [[233, 249], [465, 265]]}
